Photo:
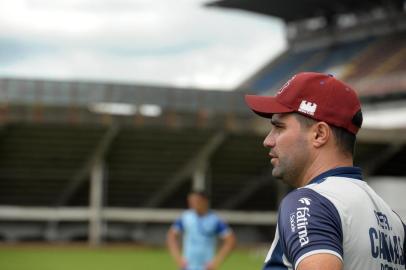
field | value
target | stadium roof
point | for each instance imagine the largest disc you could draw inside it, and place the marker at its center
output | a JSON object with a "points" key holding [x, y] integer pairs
{"points": [[293, 10]]}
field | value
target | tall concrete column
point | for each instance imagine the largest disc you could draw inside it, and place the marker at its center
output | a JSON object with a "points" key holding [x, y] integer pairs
{"points": [[96, 203], [199, 180]]}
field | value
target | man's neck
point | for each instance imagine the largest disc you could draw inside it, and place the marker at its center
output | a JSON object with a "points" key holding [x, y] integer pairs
{"points": [[202, 212], [321, 166]]}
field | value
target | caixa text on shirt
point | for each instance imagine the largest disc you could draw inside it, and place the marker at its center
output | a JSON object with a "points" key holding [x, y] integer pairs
{"points": [[385, 245], [299, 221]]}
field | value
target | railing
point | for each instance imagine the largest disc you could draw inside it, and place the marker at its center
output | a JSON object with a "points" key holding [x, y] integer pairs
{"points": [[53, 219], [82, 94], [23, 100], [46, 214]]}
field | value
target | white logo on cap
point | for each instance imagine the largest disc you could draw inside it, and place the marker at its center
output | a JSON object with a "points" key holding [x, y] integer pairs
{"points": [[307, 107], [285, 86]]}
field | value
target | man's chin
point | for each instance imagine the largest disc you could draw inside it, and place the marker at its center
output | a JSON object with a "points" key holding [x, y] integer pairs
{"points": [[276, 173]]}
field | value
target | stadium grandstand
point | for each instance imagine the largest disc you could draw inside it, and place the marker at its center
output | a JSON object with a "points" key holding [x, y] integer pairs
{"points": [[113, 162]]}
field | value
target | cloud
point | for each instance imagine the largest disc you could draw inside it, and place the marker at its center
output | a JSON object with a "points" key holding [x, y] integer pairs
{"points": [[154, 42]]}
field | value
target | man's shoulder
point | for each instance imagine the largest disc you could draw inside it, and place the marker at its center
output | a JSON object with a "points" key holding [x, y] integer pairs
{"points": [[343, 191], [304, 217], [213, 214], [302, 195], [305, 197]]}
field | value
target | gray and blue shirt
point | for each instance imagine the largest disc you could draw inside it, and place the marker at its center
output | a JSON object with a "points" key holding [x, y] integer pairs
{"points": [[339, 214]]}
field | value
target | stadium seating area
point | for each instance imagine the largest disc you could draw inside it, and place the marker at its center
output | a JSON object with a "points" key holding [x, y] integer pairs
{"points": [[379, 58], [384, 56], [40, 161], [316, 59]]}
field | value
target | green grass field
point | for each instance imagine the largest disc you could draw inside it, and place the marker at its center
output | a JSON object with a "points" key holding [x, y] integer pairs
{"points": [[108, 258]]}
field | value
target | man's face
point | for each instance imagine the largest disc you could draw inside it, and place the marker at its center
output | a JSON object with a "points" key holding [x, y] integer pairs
{"points": [[197, 202], [289, 148]]}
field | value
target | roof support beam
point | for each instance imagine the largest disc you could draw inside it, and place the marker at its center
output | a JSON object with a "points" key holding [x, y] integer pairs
{"points": [[188, 169], [368, 135], [252, 186], [81, 176]]}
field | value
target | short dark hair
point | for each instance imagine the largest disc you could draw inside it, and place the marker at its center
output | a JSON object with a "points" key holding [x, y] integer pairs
{"points": [[345, 140]]}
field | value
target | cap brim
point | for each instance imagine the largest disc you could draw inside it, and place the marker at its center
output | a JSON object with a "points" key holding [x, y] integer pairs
{"points": [[265, 106]]}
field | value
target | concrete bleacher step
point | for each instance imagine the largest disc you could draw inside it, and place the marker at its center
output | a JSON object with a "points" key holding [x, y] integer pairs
{"points": [[142, 160], [39, 160], [235, 165]]}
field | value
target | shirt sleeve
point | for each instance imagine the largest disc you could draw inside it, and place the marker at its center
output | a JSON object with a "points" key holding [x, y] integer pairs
{"points": [[309, 224], [222, 229], [178, 225]]}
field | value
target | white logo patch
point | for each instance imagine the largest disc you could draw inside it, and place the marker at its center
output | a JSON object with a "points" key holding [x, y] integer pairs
{"points": [[302, 220], [302, 217], [305, 200], [307, 107]]}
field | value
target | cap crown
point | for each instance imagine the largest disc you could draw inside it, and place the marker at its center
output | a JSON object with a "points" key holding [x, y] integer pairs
{"points": [[321, 97]]}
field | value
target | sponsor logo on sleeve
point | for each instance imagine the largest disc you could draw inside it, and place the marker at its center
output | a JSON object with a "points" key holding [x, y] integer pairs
{"points": [[292, 219], [300, 219], [305, 200]]}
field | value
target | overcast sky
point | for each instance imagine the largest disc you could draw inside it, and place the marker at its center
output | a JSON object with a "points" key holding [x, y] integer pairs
{"points": [[158, 42]]}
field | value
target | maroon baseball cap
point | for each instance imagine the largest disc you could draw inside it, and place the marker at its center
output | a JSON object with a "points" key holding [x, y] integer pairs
{"points": [[315, 95]]}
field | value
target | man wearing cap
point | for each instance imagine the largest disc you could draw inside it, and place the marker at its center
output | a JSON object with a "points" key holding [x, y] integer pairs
{"points": [[200, 228], [333, 219]]}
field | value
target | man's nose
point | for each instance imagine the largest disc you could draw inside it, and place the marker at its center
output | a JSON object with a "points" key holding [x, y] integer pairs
{"points": [[269, 141]]}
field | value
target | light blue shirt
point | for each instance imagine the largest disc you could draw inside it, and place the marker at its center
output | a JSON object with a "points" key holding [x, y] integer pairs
{"points": [[199, 237]]}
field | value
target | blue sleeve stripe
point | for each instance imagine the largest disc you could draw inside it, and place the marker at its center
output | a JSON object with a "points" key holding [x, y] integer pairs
{"points": [[178, 225], [225, 233], [222, 228]]}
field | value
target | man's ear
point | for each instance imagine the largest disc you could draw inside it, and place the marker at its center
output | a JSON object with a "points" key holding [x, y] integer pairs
{"points": [[321, 133]]}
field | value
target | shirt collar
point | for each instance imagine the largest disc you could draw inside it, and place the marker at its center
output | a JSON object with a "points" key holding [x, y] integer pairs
{"points": [[349, 172]]}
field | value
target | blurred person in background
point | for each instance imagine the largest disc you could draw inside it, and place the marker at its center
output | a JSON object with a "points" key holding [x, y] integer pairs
{"points": [[200, 228], [332, 220]]}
